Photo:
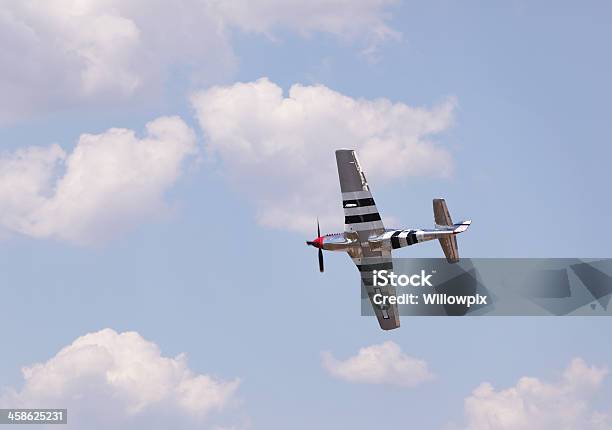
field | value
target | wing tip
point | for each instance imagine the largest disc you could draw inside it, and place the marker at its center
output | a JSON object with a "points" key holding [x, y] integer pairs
{"points": [[390, 326], [341, 150]]}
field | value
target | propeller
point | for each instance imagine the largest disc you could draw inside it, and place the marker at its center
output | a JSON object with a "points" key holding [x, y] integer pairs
{"points": [[317, 243], [321, 268]]}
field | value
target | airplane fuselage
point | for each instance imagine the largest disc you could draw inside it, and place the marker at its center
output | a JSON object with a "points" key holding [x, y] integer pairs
{"points": [[389, 240]]}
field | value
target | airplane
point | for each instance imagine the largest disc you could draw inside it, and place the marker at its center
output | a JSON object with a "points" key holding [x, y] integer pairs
{"points": [[369, 243]]}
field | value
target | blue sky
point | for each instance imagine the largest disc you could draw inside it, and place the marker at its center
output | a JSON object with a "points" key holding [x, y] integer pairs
{"points": [[529, 145]]}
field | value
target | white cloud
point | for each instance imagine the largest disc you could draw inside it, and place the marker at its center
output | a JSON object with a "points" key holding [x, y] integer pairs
{"points": [[106, 184], [348, 19], [345, 18], [533, 404], [379, 364], [108, 378], [280, 150], [73, 52]]}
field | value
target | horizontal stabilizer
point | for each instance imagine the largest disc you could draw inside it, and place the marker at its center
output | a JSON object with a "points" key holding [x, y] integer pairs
{"points": [[449, 246], [441, 215], [444, 222]]}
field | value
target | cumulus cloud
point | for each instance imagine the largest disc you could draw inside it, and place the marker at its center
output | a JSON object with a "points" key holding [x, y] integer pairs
{"points": [[379, 364], [108, 378], [533, 404], [68, 52], [72, 52], [279, 150], [106, 184]]}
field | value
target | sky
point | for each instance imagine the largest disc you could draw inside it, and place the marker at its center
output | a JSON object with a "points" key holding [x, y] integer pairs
{"points": [[163, 163]]}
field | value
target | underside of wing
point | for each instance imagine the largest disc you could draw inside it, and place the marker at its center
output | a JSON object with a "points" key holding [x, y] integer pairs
{"points": [[360, 212], [387, 314], [362, 220]]}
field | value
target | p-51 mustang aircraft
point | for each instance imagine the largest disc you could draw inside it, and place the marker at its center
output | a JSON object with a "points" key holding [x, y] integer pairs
{"points": [[367, 241]]}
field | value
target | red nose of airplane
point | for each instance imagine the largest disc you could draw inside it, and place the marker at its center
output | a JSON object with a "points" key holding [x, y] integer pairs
{"points": [[317, 243]]}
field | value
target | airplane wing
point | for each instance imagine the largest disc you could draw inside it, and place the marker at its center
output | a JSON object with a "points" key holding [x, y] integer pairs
{"points": [[360, 212], [362, 220], [387, 314]]}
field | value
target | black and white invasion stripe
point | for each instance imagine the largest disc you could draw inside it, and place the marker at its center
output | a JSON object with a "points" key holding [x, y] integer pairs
{"points": [[402, 238], [366, 267], [360, 212]]}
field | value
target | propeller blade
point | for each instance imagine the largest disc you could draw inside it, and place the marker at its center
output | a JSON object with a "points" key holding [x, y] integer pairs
{"points": [[318, 229], [321, 269]]}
